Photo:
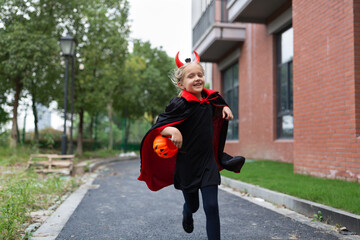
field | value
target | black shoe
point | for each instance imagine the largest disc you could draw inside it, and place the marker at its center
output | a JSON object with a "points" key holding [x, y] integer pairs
{"points": [[188, 226], [240, 163], [233, 164]]}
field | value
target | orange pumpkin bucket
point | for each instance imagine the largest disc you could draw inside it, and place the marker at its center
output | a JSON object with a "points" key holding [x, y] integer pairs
{"points": [[164, 147]]}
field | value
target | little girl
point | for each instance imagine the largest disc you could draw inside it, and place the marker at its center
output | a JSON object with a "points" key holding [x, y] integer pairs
{"points": [[197, 124]]}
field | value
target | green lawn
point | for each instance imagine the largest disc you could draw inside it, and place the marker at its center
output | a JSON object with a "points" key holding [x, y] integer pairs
{"points": [[279, 177]]}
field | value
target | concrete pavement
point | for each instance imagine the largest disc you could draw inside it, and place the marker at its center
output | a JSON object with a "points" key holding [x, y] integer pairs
{"points": [[117, 206]]}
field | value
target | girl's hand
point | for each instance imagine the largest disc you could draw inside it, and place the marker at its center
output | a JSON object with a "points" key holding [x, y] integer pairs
{"points": [[227, 114], [176, 136]]}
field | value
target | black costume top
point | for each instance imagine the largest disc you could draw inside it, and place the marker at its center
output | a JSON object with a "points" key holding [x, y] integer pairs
{"points": [[195, 164], [204, 131]]}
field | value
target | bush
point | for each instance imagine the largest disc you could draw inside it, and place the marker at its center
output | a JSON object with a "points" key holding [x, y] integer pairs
{"points": [[4, 138], [12, 156]]}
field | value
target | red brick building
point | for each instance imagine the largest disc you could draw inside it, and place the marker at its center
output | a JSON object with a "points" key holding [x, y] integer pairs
{"points": [[291, 72]]}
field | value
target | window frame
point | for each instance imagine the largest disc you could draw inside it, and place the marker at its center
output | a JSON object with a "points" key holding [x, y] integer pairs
{"points": [[233, 124], [288, 111]]}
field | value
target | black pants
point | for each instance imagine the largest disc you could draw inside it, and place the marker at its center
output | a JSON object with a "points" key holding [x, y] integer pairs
{"points": [[210, 203]]}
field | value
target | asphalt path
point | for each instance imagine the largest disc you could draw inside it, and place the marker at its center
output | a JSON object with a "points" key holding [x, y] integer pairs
{"points": [[118, 206]]}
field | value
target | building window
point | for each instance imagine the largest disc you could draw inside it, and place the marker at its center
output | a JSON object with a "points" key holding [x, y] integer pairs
{"points": [[284, 83], [231, 96]]}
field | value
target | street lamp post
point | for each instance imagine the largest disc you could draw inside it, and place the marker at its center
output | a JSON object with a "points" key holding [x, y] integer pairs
{"points": [[67, 45], [71, 150]]}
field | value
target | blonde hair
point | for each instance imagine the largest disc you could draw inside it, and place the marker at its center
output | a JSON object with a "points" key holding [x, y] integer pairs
{"points": [[178, 74]]}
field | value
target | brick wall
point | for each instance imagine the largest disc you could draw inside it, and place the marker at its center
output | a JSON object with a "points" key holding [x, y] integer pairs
{"points": [[257, 100], [326, 88], [357, 62]]}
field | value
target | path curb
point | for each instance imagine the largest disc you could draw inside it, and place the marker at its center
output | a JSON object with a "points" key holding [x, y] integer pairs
{"points": [[331, 215], [53, 225], [93, 166]]}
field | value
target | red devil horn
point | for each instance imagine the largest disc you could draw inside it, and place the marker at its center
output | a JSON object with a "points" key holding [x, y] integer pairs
{"points": [[197, 58], [177, 61]]}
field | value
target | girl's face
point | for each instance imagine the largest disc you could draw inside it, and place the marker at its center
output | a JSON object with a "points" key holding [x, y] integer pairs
{"points": [[193, 80]]}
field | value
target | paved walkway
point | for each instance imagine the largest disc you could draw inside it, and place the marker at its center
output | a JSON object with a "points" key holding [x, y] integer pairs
{"points": [[121, 207]]}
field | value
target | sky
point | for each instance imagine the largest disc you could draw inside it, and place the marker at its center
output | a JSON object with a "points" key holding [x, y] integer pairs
{"points": [[164, 23]]}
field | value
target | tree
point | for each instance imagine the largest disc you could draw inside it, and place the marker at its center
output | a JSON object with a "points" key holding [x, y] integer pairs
{"points": [[156, 86], [29, 53], [128, 100], [3, 114], [146, 86], [103, 53]]}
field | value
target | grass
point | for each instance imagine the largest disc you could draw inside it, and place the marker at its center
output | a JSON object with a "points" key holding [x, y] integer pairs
{"points": [[20, 155], [22, 192], [17, 156], [279, 177], [101, 153]]}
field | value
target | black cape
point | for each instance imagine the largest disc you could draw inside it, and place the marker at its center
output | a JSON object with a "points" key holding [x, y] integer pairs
{"points": [[158, 172]]}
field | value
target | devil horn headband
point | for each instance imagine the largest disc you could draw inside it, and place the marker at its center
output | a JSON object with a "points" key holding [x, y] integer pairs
{"points": [[179, 63]]}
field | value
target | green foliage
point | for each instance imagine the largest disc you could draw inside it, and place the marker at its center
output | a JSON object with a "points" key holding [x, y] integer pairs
{"points": [[280, 177], [138, 128], [103, 135], [147, 78], [318, 216], [12, 215], [23, 192], [4, 115], [11, 156], [102, 51], [102, 33], [29, 50], [87, 166], [31, 64], [49, 140], [4, 137]]}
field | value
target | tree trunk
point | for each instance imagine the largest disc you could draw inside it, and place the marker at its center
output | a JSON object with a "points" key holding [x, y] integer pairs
{"points": [[95, 131], [91, 126], [36, 120], [14, 131], [79, 148], [24, 128], [17, 133], [110, 112], [34, 108], [127, 133]]}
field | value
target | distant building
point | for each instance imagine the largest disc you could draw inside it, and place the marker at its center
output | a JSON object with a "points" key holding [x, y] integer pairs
{"points": [[44, 116], [290, 70]]}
